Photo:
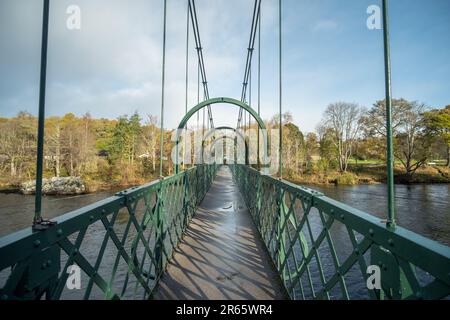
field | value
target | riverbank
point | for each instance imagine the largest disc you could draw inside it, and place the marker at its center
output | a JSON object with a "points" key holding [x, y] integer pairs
{"points": [[356, 175], [372, 174], [91, 186]]}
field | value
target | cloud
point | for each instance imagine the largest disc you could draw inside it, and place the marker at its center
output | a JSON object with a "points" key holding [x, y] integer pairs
{"points": [[112, 65], [325, 25]]}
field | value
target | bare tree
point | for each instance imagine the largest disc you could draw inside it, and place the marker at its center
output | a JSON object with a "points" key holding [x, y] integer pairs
{"points": [[344, 119], [150, 138], [411, 146]]}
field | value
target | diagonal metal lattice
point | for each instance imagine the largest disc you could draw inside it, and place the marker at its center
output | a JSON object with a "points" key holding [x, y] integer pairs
{"points": [[299, 227], [135, 233]]}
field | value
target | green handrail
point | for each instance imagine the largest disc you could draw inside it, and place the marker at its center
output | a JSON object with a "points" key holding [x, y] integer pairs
{"points": [[121, 244], [299, 227]]}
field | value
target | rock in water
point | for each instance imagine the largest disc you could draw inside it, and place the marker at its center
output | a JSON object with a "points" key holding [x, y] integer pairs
{"points": [[56, 186]]}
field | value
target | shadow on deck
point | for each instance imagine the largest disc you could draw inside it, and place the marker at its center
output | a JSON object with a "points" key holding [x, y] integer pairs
{"points": [[221, 255]]}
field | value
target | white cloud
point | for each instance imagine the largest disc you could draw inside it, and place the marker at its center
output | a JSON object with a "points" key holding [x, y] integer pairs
{"points": [[325, 25]]}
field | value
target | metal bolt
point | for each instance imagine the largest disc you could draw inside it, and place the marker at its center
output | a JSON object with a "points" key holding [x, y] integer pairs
{"points": [[37, 243], [391, 242], [103, 211], [332, 211], [75, 252], [59, 232], [49, 263], [91, 217], [371, 232], [342, 216], [356, 251]]}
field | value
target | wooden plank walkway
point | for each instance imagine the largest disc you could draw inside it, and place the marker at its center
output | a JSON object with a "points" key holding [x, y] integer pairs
{"points": [[221, 255]]}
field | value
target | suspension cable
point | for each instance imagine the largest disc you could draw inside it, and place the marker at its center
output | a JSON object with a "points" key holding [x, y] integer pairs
{"points": [[163, 80], [250, 97], [251, 45], [259, 80], [281, 90], [187, 83], [199, 49], [41, 120]]}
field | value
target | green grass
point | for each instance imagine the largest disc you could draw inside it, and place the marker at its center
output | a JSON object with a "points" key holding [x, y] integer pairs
{"points": [[365, 162]]}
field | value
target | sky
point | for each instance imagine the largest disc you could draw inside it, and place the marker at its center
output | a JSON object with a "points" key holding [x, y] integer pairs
{"points": [[112, 65]]}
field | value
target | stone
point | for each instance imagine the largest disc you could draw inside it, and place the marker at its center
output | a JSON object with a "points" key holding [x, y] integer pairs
{"points": [[56, 186]]}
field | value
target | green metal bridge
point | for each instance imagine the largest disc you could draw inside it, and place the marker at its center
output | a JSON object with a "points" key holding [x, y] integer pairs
{"points": [[216, 231]]}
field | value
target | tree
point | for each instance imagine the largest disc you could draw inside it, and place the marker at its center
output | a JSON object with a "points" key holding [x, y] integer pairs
{"points": [[410, 144], [53, 143], [18, 144], [293, 146], [150, 138], [345, 120], [437, 122], [312, 147], [375, 119], [123, 145]]}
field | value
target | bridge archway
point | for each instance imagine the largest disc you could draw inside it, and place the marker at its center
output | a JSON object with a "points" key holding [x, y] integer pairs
{"points": [[237, 133], [221, 100], [223, 139], [215, 101]]}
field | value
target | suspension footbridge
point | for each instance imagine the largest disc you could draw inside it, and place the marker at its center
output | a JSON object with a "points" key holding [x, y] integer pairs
{"points": [[221, 230]]}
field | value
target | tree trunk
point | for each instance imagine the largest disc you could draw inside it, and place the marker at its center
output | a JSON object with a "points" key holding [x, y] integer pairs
{"points": [[154, 157], [448, 156], [58, 154], [57, 165], [13, 168], [71, 155]]}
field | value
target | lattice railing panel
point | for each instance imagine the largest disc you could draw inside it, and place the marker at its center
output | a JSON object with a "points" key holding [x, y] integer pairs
{"points": [[323, 248], [121, 244]]}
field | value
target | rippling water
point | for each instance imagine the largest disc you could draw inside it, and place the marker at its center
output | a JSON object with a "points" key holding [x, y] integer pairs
{"points": [[424, 209]]}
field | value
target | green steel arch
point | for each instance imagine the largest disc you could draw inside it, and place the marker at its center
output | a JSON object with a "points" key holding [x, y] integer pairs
{"points": [[213, 130], [225, 137], [215, 101]]}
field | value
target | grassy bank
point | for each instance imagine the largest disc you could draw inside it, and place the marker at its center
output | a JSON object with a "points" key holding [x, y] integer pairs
{"points": [[357, 174], [372, 174], [92, 184]]}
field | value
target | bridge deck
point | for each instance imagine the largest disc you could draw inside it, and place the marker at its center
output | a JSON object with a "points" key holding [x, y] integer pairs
{"points": [[221, 255]]}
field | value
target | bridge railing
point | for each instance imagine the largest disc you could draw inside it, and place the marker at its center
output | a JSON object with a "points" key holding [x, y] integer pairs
{"points": [[119, 246], [324, 249]]}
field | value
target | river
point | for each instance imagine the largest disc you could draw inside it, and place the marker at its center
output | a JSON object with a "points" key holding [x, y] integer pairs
{"points": [[424, 209]]}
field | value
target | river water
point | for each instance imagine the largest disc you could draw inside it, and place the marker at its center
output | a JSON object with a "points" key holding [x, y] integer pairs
{"points": [[424, 209]]}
